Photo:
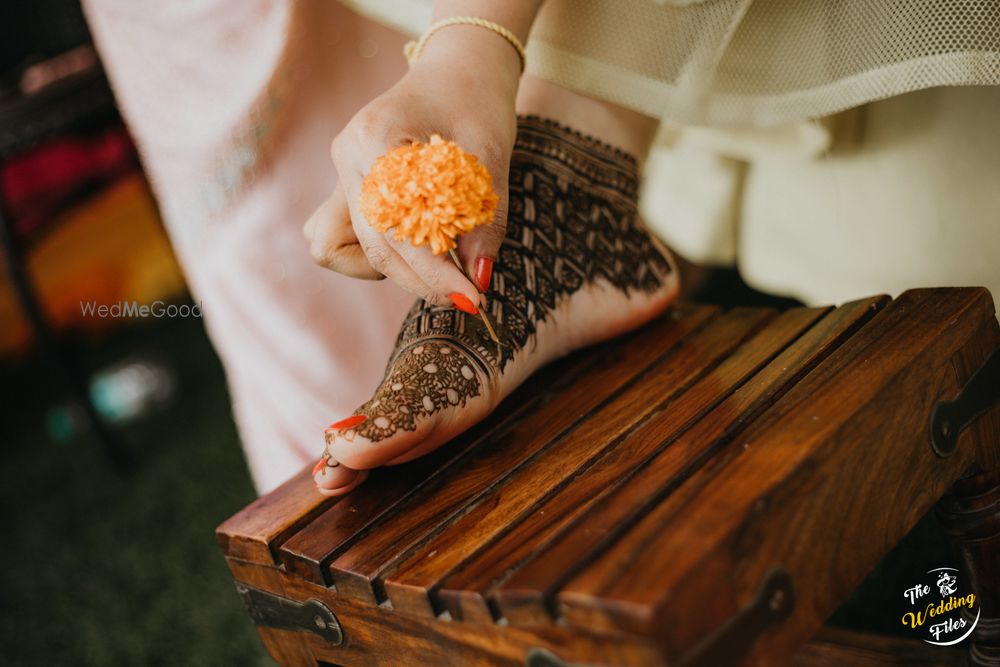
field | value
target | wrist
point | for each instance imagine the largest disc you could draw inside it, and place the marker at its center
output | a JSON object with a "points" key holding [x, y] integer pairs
{"points": [[474, 50]]}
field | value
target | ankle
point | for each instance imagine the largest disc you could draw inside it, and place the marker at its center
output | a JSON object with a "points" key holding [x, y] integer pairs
{"points": [[622, 128]]}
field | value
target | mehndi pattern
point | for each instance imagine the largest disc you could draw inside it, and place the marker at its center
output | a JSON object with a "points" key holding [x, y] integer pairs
{"points": [[572, 220]]}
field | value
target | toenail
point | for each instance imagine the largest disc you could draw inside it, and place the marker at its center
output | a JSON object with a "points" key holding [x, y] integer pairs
{"points": [[350, 422]]}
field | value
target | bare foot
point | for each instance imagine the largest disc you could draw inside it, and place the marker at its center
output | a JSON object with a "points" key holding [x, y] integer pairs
{"points": [[577, 267]]}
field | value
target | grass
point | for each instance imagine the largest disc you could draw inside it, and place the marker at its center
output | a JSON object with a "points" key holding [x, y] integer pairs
{"points": [[101, 568]]}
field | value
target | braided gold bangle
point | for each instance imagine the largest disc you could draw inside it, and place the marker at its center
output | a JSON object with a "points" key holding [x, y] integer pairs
{"points": [[413, 49]]}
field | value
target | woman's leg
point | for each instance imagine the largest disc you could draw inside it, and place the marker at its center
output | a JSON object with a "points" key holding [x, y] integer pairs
{"points": [[577, 267], [623, 128]]}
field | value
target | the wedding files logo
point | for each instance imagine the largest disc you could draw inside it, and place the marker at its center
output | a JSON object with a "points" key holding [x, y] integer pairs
{"points": [[935, 608], [134, 309]]}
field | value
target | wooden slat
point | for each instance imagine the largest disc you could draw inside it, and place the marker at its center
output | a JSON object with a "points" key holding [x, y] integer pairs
{"points": [[523, 596], [842, 459], [399, 488], [391, 488], [579, 469], [295, 513], [252, 533], [355, 563]]}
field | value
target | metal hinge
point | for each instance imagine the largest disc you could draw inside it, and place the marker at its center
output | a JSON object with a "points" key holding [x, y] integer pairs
{"points": [[274, 611], [542, 657], [729, 643], [979, 394]]}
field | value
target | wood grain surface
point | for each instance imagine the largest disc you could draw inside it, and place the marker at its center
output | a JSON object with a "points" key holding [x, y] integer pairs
{"points": [[626, 502]]}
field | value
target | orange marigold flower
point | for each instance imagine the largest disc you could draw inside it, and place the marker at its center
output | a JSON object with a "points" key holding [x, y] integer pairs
{"points": [[429, 193]]}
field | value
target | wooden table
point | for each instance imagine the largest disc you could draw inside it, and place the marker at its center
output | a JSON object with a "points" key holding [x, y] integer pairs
{"points": [[704, 491]]}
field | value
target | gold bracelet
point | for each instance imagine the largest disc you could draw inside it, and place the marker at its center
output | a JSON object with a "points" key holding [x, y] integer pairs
{"points": [[413, 49]]}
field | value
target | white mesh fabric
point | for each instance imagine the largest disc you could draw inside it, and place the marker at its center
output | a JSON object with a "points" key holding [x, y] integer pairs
{"points": [[746, 62]]}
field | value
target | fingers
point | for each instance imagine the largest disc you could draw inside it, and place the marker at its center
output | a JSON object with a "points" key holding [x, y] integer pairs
{"points": [[332, 242], [384, 258], [479, 248], [416, 269], [352, 156], [359, 251], [439, 274]]}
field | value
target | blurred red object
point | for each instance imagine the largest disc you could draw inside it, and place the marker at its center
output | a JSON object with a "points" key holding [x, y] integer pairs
{"points": [[39, 183]]}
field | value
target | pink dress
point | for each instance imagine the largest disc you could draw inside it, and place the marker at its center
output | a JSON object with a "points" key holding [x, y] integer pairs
{"points": [[233, 106]]}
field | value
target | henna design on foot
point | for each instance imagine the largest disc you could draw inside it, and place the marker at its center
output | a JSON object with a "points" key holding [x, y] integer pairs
{"points": [[573, 219]]}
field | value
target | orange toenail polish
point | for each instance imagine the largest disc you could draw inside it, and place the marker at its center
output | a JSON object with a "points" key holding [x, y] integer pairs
{"points": [[350, 422], [482, 272], [462, 303]]}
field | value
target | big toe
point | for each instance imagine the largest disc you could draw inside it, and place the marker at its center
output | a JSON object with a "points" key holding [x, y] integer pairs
{"points": [[433, 390], [334, 479]]}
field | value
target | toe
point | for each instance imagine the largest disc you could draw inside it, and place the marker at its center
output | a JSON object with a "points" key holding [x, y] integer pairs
{"points": [[360, 452], [329, 474], [427, 397], [359, 476]]}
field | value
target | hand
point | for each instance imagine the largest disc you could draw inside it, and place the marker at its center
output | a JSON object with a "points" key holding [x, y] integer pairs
{"points": [[463, 88]]}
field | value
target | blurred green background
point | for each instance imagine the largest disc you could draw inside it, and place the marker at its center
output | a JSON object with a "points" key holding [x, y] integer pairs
{"points": [[103, 568]]}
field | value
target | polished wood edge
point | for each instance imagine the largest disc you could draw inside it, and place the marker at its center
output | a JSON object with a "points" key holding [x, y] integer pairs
{"points": [[841, 647], [374, 635], [254, 532]]}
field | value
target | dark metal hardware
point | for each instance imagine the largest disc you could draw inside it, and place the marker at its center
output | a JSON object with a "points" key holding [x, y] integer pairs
{"points": [[274, 611], [542, 657], [729, 643], [979, 394]]}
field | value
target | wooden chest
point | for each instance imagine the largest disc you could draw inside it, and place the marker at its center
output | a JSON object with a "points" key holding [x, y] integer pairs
{"points": [[704, 491]]}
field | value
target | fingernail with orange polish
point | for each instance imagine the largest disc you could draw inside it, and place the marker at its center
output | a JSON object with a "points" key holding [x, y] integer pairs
{"points": [[462, 303], [318, 467], [350, 422], [482, 271]]}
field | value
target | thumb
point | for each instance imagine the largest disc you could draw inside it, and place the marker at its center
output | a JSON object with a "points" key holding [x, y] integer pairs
{"points": [[332, 241]]}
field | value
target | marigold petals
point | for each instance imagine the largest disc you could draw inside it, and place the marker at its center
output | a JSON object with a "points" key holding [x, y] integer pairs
{"points": [[428, 194]]}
